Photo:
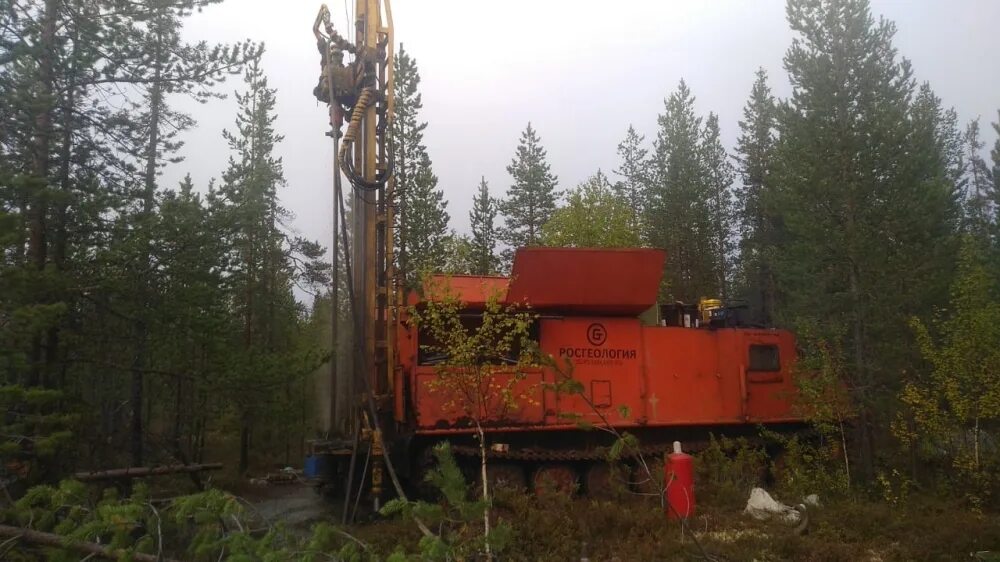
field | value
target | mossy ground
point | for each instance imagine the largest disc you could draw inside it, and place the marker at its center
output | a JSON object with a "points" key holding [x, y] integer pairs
{"points": [[560, 529]]}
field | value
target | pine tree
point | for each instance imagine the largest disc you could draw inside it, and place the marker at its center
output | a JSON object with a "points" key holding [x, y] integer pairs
{"points": [[979, 198], [635, 173], [719, 176], [758, 231], [113, 280], [995, 192], [262, 274], [679, 211], [422, 219], [174, 67], [532, 197], [426, 222], [482, 219], [192, 330], [865, 199], [594, 216]]}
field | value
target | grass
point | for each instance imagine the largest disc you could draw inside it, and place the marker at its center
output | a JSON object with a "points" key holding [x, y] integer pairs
{"points": [[562, 529]]}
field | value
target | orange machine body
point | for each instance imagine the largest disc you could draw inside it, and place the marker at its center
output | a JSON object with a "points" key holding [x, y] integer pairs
{"points": [[634, 373]]}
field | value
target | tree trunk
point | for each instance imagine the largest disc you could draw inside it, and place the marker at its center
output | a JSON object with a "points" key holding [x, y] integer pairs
{"points": [[149, 199], [244, 444], [866, 456], [40, 146], [65, 157], [975, 435], [142, 471], [90, 549], [136, 395], [843, 446], [486, 489]]}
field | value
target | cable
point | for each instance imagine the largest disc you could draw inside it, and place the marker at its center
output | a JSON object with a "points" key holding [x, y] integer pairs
{"points": [[372, 408]]}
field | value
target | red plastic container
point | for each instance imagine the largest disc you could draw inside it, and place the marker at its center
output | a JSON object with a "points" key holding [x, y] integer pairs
{"points": [[679, 482]]}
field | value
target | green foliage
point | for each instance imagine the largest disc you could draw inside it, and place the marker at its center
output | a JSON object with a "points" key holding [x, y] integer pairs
{"points": [[483, 242], [980, 213], [531, 199], [634, 169], [480, 362], [459, 255], [949, 412], [893, 487], [718, 177], [114, 290], [456, 517], [864, 191], [757, 223], [804, 465], [270, 354], [422, 219], [480, 370], [625, 444], [728, 469], [37, 431], [594, 216], [208, 526], [689, 201]]}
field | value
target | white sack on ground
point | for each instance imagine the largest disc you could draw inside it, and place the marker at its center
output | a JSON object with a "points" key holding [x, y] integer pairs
{"points": [[762, 506]]}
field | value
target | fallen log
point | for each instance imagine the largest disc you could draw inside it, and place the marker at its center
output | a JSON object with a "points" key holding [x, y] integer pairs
{"points": [[59, 541], [143, 471]]}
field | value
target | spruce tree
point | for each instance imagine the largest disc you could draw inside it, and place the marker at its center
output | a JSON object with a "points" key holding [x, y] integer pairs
{"points": [[758, 228], [531, 199], [634, 169], [482, 219], [124, 282], [679, 211], [865, 199], [174, 67], [262, 272], [426, 222], [719, 176], [421, 217]]}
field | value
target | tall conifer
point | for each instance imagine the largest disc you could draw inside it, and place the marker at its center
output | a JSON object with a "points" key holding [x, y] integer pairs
{"points": [[422, 218], [757, 225], [482, 219], [531, 199], [865, 199]]}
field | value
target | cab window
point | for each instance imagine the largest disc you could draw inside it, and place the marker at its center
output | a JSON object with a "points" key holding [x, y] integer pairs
{"points": [[471, 322], [764, 359]]}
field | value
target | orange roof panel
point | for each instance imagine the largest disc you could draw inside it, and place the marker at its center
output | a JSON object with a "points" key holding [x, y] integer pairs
{"points": [[587, 280], [473, 290]]}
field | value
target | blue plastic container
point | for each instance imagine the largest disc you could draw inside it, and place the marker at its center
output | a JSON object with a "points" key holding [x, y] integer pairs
{"points": [[310, 469]]}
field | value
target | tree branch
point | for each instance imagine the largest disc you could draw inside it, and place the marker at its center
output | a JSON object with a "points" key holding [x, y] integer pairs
{"points": [[61, 541]]}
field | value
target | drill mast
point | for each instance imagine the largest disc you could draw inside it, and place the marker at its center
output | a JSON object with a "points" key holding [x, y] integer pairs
{"points": [[360, 93]]}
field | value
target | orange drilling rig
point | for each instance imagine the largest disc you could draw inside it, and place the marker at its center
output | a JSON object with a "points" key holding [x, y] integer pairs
{"points": [[679, 371]]}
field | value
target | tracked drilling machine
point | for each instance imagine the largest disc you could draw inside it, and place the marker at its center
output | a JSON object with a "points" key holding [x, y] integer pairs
{"points": [[662, 372]]}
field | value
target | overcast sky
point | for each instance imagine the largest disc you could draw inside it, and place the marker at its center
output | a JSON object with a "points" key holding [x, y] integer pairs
{"points": [[580, 71]]}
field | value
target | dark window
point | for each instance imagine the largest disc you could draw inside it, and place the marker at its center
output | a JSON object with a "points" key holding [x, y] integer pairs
{"points": [[471, 322], [764, 358]]}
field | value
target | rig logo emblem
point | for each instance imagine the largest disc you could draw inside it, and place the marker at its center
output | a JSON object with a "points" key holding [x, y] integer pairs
{"points": [[597, 334]]}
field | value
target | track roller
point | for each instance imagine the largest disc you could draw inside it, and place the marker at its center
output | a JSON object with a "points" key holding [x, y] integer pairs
{"points": [[604, 482], [507, 476], [559, 479]]}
